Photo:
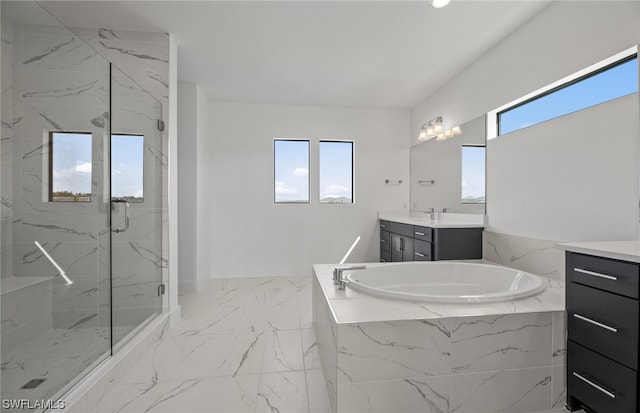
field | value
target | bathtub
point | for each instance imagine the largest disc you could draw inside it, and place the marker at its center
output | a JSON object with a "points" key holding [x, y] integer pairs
{"points": [[445, 282]]}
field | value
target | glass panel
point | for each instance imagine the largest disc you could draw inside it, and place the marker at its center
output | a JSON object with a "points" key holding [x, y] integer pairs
{"points": [[127, 163], [336, 172], [55, 306], [70, 167], [291, 171], [473, 174], [137, 167], [612, 83]]}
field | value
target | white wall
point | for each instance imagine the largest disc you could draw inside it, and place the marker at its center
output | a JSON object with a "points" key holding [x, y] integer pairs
{"points": [[538, 184], [203, 187], [563, 38], [251, 236], [187, 186], [574, 178]]}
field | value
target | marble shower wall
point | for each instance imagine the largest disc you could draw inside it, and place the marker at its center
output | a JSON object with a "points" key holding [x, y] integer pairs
{"points": [[533, 255], [58, 83]]}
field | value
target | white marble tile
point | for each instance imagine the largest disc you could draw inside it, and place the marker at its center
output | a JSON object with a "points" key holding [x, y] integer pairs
{"points": [[393, 350], [361, 310], [310, 352], [559, 338], [59, 87], [536, 256], [512, 391], [224, 320], [495, 247], [200, 356], [317, 392], [283, 318], [408, 395], [305, 313], [559, 386], [283, 351], [501, 342], [25, 304], [59, 51], [282, 392], [220, 394]]}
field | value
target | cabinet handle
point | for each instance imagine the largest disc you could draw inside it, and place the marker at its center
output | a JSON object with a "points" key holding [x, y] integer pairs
{"points": [[588, 320], [401, 244], [383, 226], [420, 233], [596, 274], [595, 386], [383, 241], [419, 254]]}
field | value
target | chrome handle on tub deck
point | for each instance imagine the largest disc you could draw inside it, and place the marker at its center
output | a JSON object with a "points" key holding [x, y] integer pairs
{"points": [[339, 280], [596, 274], [595, 386], [596, 323]]}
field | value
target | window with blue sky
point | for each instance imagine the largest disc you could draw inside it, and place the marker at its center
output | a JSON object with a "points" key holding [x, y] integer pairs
{"points": [[336, 172], [127, 167], [473, 174], [610, 82], [291, 171], [70, 167]]}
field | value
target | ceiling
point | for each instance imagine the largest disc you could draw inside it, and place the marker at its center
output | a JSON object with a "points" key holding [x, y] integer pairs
{"points": [[388, 54]]}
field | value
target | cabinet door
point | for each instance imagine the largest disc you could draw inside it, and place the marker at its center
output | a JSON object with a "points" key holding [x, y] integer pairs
{"points": [[407, 249], [396, 247]]}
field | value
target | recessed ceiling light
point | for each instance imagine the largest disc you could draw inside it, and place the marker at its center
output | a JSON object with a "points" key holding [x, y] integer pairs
{"points": [[438, 4]]}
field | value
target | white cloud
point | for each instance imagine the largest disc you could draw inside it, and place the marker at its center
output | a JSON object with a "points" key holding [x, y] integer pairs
{"points": [[301, 172], [335, 191], [83, 167], [284, 189]]}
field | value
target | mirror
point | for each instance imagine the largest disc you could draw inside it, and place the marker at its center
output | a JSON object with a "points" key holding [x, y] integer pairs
{"points": [[450, 174]]}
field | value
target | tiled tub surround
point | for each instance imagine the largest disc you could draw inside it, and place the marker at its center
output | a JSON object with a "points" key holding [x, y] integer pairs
{"points": [[386, 355], [538, 256]]}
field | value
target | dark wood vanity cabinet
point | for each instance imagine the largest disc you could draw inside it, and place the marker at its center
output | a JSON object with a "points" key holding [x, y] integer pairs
{"points": [[404, 242], [602, 331]]}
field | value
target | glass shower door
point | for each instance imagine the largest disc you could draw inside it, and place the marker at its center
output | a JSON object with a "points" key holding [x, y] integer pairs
{"points": [[137, 163], [55, 281]]}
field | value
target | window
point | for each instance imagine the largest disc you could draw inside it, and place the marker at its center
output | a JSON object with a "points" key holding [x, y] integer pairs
{"points": [[291, 171], [127, 167], [598, 85], [70, 166], [473, 174], [336, 172]]}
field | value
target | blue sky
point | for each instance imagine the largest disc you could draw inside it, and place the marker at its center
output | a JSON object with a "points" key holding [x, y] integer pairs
{"points": [[618, 81], [473, 171], [127, 166], [291, 171], [336, 168]]}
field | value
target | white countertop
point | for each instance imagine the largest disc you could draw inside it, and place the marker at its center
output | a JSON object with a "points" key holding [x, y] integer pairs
{"points": [[442, 219], [619, 250], [349, 306]]}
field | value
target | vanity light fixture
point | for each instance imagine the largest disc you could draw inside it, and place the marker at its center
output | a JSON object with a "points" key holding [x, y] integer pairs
{"points": [[438, 4], [434, 129]]}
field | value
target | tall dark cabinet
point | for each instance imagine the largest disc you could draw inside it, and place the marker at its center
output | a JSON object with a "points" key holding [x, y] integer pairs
{"points": [[602, 332]]}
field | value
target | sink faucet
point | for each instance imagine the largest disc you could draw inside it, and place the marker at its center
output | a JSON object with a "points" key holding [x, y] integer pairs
{"points": [[431, 212], [338, 278]]}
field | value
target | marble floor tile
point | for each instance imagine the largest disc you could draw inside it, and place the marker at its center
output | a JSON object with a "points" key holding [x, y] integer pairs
{"points": [[219, 394], [282, 392], [310, 352], [317, 392], [283, 351]]}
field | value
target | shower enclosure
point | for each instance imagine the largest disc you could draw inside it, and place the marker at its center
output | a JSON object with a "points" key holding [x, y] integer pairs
{"points": [[83, 167]]}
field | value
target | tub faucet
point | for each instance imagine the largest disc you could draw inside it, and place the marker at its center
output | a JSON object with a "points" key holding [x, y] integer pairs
{"points": [[338, 278]]}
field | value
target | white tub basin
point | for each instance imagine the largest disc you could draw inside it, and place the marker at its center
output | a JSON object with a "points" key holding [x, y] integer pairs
{"points": [[446, 282]]}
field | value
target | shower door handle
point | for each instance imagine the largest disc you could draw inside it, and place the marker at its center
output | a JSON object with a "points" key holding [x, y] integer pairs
{"points": [[126, 214]]}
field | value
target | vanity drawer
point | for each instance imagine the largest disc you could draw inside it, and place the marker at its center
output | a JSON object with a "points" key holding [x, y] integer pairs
{"points": [[606, 274], [604, 322], [421, 250], [422, 233], [401, 229], [384, 225], [599, 383], [385, 241]]}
